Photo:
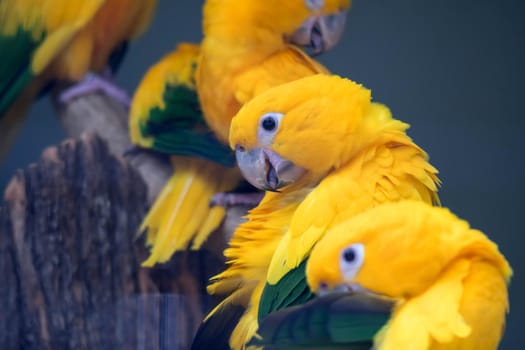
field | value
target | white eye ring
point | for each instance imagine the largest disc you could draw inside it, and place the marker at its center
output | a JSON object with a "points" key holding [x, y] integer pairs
{"points": [[351, 259], [314, 4], [268, 127]]}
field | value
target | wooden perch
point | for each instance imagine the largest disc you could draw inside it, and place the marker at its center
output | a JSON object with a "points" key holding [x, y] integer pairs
{"points": [[109, 119], [70, 255]]}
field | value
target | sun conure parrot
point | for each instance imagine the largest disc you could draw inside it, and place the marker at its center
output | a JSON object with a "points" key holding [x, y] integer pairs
{"points": [[165, 116], [48, 40], [248, 47], [447, 280], [323, 152]]}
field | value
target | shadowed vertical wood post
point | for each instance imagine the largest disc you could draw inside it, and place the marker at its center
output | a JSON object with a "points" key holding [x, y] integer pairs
{"points": [[70, 259]]}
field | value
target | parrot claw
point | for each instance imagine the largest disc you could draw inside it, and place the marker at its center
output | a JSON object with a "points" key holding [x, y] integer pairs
{"points": [[96, 83], [228, 200]]}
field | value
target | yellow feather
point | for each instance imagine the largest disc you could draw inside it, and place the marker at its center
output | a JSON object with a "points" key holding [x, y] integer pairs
{"points": [[182, 209], [213, 220], [249, 252], [55, 43], [417, 320]]}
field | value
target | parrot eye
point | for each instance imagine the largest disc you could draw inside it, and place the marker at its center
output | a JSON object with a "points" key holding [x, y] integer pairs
{"points": [[268, 126], [351, 259], [269, 123]]}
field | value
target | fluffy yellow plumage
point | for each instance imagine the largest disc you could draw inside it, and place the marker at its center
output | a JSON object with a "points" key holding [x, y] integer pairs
{"points": [[448, 280], [325, 152], [248, 47]]}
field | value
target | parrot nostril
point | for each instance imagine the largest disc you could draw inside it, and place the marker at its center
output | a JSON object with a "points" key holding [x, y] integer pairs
{"points": [[240, 148], [323, 285]]}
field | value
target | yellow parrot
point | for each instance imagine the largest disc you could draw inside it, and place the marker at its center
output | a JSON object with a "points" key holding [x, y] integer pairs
{"points": [[448, 281], [324, 152], [248, 47], [47, 40], [165, 116]]}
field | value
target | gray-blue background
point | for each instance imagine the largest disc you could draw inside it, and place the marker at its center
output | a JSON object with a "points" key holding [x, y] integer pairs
{"points": [[453, 69]]}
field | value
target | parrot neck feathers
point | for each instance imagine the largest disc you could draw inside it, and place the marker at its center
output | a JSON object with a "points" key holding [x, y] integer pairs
{"points": [[373, 130]]}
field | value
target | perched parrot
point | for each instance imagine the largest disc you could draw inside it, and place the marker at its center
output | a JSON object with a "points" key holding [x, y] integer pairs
{"points": [[43, 41], [447, 280], [165, 116], [248, 47], [323, 152]]}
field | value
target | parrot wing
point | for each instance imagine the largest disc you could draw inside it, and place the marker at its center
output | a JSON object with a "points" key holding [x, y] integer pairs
{"points": [[419, 315], [28, 47], [334, 321], [165, 114], [289, 291], [15, 72]]}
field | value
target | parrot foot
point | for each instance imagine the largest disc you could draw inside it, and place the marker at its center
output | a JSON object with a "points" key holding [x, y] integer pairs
{"points": [[228, 200], [96, 83]]}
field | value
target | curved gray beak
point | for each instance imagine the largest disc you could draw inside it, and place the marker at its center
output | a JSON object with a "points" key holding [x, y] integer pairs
{"points": [[320, 33], [265, 169], [353, 289]]}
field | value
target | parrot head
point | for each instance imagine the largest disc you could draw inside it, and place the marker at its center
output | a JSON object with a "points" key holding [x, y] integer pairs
{"points": [[299, 129], [394, 250], [323, 27], [313, 24]]}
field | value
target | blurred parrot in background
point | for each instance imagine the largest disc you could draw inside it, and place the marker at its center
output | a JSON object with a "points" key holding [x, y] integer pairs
{"points": [[448, 281], [165, 116], [324, 152], [248, 47], [43, 41]]}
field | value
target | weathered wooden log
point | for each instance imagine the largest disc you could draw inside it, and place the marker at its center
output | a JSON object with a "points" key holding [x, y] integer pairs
{"points": [[70, 259]]}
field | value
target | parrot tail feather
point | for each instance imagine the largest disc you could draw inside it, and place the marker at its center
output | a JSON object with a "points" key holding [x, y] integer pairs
{"points": [[181, 215]]}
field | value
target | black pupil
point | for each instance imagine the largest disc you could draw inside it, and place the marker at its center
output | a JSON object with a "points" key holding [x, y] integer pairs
{"points": [[349, 255], [268, 124]]}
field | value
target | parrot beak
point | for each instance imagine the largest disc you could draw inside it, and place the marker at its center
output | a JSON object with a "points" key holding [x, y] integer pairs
{"points": [[265, 169], [325, 288], [320, 33], [350, 288], [354, 290]]}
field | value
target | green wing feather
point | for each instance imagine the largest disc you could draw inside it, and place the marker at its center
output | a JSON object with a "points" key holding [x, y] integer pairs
{"points": [[290, 290], [292, 317], [335, 321], [15, 70], [166, 115], [180, 129]]}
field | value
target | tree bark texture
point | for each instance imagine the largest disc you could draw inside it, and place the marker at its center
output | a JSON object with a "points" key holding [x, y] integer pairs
{"points": [[70, 259]]}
